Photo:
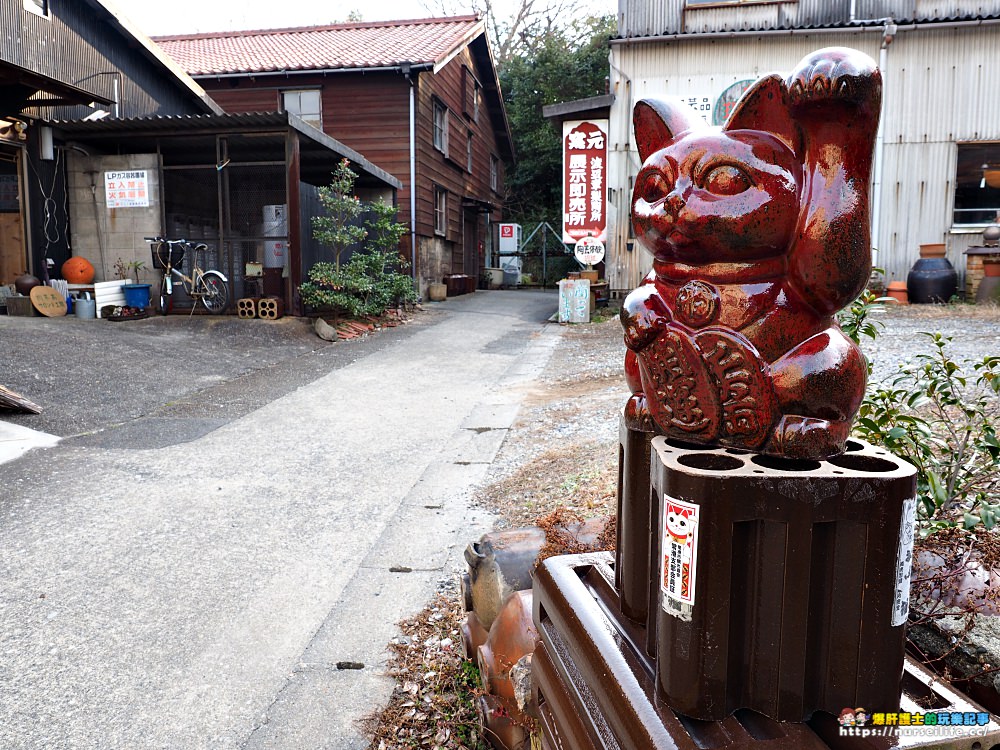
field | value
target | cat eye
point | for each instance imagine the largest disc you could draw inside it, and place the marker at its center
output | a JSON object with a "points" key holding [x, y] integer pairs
{"points": [[726, 180], [654, 188]]}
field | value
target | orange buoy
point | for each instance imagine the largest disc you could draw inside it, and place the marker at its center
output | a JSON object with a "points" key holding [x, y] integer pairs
{"points": [[78, 270]]}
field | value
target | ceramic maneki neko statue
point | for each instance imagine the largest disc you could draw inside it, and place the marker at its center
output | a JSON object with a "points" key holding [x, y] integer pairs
{"points": [[759, 232]]}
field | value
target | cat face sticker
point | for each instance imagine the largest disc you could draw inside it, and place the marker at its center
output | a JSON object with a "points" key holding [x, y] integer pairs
{"points": [[678, 524]]}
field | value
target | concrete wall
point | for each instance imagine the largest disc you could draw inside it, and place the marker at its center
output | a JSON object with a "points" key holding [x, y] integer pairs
{"points": [[434, 258], [102, 235]]}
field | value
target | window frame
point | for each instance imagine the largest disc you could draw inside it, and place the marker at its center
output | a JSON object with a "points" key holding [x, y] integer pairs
{"points": [[440, 211], [440, 126], [284, 93], [494, 173], [470, 152], [472, 94], [970, 181]]}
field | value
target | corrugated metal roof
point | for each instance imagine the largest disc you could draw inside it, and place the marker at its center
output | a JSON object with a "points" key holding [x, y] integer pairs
{"points": [[165, 123], [640, 19], [181, 125], [338, 47]]}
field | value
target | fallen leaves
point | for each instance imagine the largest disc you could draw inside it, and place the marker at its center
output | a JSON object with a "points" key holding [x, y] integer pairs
{"points": [[434, 704]]}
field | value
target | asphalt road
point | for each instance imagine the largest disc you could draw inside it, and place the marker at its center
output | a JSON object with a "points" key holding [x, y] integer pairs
{"points": [[233, 509]]}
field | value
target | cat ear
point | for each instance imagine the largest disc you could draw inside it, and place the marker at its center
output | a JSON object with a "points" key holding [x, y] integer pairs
{"points": [[659, 121], [765, 107]]}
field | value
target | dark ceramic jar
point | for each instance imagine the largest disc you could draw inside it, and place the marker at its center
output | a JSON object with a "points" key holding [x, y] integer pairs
{"points": [[932, 280], [25, 283]]}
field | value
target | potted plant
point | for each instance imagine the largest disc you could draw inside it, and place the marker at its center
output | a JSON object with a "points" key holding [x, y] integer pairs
{"points": [[136, 294]]}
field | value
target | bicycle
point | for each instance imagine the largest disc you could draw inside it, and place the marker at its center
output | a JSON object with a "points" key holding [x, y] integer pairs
{"points": [[209, 286]]}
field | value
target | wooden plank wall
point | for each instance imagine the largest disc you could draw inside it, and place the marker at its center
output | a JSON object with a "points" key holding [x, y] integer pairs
{"points": [[12, 260]]}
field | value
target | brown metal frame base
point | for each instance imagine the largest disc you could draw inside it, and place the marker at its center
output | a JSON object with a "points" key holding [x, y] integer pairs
{"points": [[595, 685]]}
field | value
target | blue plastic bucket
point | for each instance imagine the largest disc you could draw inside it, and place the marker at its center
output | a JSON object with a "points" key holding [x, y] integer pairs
{"points": [[137, 295]]}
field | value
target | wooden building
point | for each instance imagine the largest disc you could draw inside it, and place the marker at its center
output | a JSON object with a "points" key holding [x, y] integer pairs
{"points": [[67, 59], [938, 153], [419, 98]]}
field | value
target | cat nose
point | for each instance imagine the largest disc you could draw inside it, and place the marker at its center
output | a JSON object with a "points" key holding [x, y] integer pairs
{"points": [[675, 200]]}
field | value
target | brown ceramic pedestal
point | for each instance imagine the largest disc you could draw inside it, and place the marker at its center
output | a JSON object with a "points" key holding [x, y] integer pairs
{"points": [[797, 580], [792, 614]]}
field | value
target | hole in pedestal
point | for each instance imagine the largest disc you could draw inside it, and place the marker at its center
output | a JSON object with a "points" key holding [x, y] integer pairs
{"points": [[854, 445], [710, 462], [758, 726], [736, 451], [863, 463], [689, 446], [785, 464]]}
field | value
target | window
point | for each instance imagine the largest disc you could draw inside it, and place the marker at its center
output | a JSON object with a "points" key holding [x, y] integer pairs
{"points": [[472, 94], [468, 153], [494, 173], [441, 127], [41, 7], [305, 104], [977, 183], [440, 211]]}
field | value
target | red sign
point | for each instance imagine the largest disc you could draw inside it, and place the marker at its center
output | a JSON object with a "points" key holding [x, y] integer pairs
{"points": [[506, 230], [585, 180]]}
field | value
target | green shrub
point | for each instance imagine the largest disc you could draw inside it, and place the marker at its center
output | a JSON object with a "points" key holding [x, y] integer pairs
{"points": [[942, 419], [372, 279]]}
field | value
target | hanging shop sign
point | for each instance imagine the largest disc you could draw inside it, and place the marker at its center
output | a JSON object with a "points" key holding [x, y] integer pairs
{"points": [[585, 180]]}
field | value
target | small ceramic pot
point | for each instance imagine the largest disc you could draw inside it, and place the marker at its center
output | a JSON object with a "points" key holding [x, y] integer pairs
{"points": [[897, 290]]}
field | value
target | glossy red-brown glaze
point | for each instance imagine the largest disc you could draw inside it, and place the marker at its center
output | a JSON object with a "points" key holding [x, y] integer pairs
{"points": [[759, 234]]}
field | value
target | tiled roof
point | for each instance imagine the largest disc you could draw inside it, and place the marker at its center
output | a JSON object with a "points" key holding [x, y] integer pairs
{"points": [[342, 46]]}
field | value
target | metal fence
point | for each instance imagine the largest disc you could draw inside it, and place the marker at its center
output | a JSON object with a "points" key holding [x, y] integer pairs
{"points": [[239, 212], [544, 257]]}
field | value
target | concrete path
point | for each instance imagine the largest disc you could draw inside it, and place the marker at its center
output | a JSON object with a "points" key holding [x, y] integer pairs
{"points": [[200, 595]]}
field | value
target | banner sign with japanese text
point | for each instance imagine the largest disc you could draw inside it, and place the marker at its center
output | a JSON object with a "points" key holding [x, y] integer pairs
{"points": [[128, 189], [585, 180]]}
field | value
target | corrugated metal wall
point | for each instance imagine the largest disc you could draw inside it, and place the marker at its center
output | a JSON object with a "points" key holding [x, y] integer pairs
{"points": [[638, 18], [76, 45], [939, 90]]}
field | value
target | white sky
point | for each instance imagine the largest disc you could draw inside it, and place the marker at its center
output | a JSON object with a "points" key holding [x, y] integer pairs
{"points": [[163, 17]]}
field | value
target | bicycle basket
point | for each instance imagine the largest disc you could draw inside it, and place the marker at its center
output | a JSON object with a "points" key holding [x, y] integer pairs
{"points": [[160, 254]]}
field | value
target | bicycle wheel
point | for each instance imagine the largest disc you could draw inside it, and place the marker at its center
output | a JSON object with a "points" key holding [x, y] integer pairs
{"points": [[214, 292], [166, 298]]}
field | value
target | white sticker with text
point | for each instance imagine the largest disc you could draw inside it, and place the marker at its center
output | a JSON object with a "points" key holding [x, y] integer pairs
{"points": [[679, 558]]}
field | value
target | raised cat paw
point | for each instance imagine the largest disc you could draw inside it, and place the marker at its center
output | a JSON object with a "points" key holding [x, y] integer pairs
{"points": [[832, 73]]}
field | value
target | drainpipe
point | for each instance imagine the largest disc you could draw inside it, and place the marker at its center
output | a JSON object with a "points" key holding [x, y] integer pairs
{"points": [[405, 69], [888, 33]]}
